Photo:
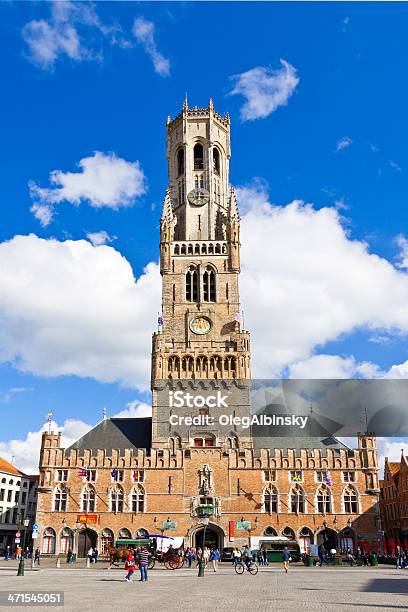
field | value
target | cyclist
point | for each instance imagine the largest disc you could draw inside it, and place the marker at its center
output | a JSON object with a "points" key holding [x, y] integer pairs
{"points": [[247, 556]]}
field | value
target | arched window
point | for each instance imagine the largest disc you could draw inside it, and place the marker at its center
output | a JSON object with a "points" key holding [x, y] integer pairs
{"points": [[232, 441], [106, 540], [142, 533], [137, 499], [270, 500], [289, 533], [216, 161], [60, 500], [350, 500], [48, 543], [192, 284], [198, 157], [297, 500], [174, 444], [270, 531], [88, 499], [180, 162], [116, 499], [324, 500], [209, 284], [66, 540], [124, 533]]}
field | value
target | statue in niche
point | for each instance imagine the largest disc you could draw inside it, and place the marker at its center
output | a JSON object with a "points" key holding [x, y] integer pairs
{"points": [[206, 480]]}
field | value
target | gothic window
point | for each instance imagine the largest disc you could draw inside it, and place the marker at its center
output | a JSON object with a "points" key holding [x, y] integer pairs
{"points": [[216, 161], [209, 284], [106, 540], [192, 284], [198, 157], [66, 540], [270, 500], [217, 196], [289, 533], [180, 162], [60, 499], [350, 500], [124, 533], [297, 500], [137, 499], [324, 500], [176, 249], [116, 499], [48, 546], [174, 444], [270, 531], [199, 181], [88, 499]]}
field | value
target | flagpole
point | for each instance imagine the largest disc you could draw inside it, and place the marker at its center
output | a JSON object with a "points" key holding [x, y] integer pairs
{"points": [[243, 321]]}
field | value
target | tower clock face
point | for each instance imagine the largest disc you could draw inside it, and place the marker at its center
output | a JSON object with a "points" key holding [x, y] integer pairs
{"points": [[198, 197], [200, 325]]}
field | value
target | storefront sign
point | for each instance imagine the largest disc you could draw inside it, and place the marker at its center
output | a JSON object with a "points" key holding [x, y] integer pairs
{"points": [[243, 525], [169, 525], [87, 519]]}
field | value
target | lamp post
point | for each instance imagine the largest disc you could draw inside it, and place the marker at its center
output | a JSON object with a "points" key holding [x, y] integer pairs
{"points": [[75, 553], [201, 562], [251, 529], [24, 522]]}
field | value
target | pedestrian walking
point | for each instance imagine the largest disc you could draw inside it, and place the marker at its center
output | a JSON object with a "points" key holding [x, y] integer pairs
{"points": [[7, 554], [215, 557], [236, 556], [130, 566], [264, 554], [286, 559], [37, 556], [143, 560], [90, 554], [95, 555], [70, 555]]}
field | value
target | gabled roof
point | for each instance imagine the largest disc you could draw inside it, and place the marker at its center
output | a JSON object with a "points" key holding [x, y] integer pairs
{"points": [[116, 434], [394, 467], [8, 468]]}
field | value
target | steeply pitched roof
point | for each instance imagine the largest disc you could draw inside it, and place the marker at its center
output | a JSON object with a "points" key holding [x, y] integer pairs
{"points": [[394, 467], [118, 434], [8, 468]]}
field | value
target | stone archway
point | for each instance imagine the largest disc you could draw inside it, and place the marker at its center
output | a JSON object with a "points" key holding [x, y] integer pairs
{"points": [[214, 536], [87, 538], [328, 537]]}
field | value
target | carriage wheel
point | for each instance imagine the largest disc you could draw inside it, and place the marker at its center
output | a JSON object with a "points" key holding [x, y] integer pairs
{"points": [[152, 563]]}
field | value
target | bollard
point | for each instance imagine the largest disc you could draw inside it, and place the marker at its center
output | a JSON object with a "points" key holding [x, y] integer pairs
{"points": [[58, 562], [88, 562], [201, 567]]}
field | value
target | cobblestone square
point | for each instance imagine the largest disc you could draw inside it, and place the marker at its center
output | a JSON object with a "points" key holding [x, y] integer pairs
{"points": [[345, 589]]}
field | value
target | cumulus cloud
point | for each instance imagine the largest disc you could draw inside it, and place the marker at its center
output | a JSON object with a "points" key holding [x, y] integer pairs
{"points": [[104, 180], [343, 143], [72, 308], [334, 367], [264, 89], [74, 31], [143, 31], [136, 410], [25, 452], [304, 282], [99, 238]]}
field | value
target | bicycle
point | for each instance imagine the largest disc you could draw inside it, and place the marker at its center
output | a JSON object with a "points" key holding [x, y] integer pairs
{"points": [[252, 568]]}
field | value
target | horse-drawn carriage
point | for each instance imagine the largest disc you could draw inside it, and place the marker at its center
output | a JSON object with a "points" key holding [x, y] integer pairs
{"points": [[171, 558]]}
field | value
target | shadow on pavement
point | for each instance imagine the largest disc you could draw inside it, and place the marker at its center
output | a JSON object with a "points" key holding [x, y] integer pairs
{"points": [[399, 586]]}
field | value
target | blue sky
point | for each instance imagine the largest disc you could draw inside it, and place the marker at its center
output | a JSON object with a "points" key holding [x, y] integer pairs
{"points": [[338, 140]]}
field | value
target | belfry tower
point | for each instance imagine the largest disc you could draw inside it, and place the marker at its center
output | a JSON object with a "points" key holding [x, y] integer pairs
{"points": [[201, 347]]}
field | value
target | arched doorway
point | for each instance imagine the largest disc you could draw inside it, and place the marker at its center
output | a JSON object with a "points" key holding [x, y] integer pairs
{"points": [[87, 538], [214, 536], [305, 539], [327, 537]]}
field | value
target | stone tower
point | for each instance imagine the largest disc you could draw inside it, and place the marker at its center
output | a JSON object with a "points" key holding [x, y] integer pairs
{"points": [[201, 347]]}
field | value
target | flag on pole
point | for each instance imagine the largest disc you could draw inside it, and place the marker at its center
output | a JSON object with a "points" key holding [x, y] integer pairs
{"points": [[48, 417], [83, 472], [238, 317], [328, 478], [114, 473], [160, 320]]}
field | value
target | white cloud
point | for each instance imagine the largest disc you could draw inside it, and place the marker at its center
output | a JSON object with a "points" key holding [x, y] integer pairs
{"points": [[343, 143], [143, 31], [71, 308], [304, 282], [333, 366], [8, 395], [99, 238], [25, 453], [104, 180], [265, 89], [73, 30], [136, 410]]}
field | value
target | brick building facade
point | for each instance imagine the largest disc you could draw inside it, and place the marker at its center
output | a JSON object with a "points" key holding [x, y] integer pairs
{"points": [[394, 501], [167, 473]]}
